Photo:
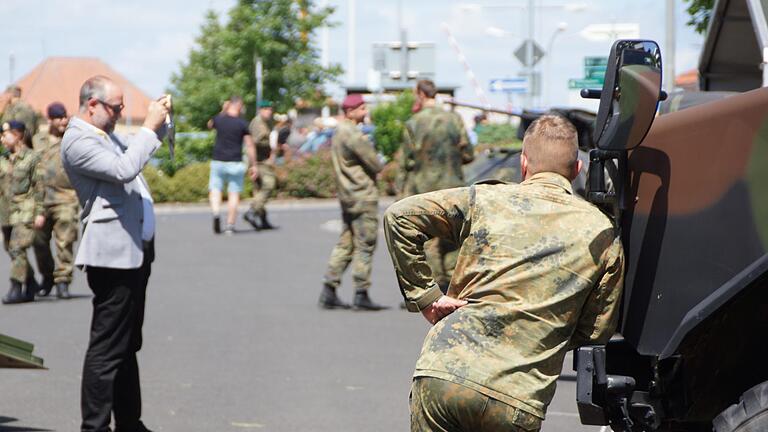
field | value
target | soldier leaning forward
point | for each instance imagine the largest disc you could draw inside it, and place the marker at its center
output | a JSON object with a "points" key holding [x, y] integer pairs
{"points": [[24, 194], [60, 208], [266, 181]]}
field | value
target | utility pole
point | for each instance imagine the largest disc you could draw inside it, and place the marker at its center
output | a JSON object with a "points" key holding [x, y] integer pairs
{"points": [[258, 70], [529, 69], [351, 43], [11, 67], [669, 63]]}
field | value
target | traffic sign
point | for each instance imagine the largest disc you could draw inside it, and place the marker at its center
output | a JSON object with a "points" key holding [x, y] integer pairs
{"points": [[521, 52], [509, 85], [588, 83]]}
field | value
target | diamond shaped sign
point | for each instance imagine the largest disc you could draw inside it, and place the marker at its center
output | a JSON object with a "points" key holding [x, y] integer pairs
{"points": [[520, 52]]}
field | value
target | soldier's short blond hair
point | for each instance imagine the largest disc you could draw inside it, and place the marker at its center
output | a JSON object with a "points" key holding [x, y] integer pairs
{"points": [[551, 144]]}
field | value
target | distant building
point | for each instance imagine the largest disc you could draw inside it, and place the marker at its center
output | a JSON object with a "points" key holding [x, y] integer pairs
{"points": [[59, 79]]}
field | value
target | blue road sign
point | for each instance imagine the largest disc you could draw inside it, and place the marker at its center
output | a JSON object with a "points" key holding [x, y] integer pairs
{"points": [[509, 85]]}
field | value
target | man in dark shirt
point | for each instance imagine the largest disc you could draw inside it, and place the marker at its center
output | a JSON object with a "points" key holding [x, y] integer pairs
{"points": [[227, 166]]}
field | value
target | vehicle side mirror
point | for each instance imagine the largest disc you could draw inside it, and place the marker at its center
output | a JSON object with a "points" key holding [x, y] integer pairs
{"points": [[630, 95]]}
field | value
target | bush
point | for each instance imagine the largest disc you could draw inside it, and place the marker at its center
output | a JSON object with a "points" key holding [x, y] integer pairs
{"points": [[191, 147], [308, 177], [498, 135], [389, 119]]}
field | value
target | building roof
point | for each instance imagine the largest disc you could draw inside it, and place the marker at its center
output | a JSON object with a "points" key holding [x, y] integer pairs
{"points": [[688, 80], [60, 78]]}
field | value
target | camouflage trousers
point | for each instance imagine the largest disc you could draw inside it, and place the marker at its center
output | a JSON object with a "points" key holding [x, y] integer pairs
{"points": [[441, 258], [61, 224], [21, 238], [263, 187], [356, 244], [440, 405], [7, 231]]}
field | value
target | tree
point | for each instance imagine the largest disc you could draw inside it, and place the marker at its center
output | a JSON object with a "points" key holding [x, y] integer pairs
{"points": [[700, 11], [222, 63], [389, 119]]}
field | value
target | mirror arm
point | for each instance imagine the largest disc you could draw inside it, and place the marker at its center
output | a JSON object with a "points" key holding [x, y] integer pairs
{"points": [[591, 93], [597, 193]]}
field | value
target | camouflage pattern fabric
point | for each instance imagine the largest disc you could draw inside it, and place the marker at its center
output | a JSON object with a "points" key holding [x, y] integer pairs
{"points": [[7, 232], [5, 202], [25, 190], [61, 224], [263, 186], [439, 405], [260, 133], [441, 256], [435, 146], [22, 237], [57, 188], [355, 246], [355, 164], [23, 112], [540, 267]]}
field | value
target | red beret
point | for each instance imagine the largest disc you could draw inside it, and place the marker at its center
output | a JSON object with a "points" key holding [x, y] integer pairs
{"points": [[352, 101]]}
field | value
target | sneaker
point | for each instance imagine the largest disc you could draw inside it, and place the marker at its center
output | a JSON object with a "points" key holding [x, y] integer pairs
{"points": [[216, 225], [229, 230]]}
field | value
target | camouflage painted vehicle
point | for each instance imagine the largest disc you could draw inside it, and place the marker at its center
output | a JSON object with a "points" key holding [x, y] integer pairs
{"points": [[691, 198]]}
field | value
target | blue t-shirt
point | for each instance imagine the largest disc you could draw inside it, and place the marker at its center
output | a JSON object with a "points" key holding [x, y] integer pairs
{"points": [[229, 138]]}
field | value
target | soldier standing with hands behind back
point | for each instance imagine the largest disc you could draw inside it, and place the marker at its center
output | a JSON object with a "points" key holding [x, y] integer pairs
{"points": [[356, 165], [60, 205], [24, 195]]}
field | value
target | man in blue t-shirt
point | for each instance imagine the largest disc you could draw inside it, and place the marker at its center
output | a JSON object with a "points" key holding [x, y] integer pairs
{"points": [[227, 166]]}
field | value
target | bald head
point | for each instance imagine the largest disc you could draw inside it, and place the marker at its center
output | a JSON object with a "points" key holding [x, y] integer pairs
{"points": [[101, 102], [551, 144], [94, 88]]}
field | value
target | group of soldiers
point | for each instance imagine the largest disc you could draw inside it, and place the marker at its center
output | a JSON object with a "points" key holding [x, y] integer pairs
{"points": [[435, 146], [37, 202]]}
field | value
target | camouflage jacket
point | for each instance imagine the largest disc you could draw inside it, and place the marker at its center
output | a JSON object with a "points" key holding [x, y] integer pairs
{"points": [[541, 269], [435, 146], [23, 187], [5, 172], [260, 133], [56, 186], [24, 113], [355, 163]]}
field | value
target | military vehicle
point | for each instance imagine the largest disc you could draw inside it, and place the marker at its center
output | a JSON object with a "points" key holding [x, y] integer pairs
{"points": [[691, 201]]}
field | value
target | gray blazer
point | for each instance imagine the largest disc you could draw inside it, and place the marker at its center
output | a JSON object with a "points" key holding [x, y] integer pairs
{"points": [[107, 187]]}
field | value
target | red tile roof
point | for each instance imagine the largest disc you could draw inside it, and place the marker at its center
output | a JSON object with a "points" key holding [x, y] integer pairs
{"points": [[59, 79]]}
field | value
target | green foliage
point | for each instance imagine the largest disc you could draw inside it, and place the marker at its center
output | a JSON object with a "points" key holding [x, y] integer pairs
{"points": [[390, 119], [308, 177], [189, 149], [222, 62], [190, 184], [498, 135], [701, 12]]}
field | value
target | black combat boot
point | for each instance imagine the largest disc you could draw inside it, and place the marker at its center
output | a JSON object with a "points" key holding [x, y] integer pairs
{"points": [[31, 287], [250, 217], [14, 294], [363, 302], [329, 299], [62, 290], [45, 287], [264, 222]]}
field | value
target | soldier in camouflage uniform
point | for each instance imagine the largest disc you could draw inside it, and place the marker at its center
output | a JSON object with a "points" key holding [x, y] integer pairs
{"points": [[25, 211], [539, 272], [435, 146], [19, 110], [60, 205], [356, 165], [260, 128]]}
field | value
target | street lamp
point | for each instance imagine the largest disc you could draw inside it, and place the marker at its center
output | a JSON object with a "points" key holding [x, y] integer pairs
{"points": [[561, 27]]}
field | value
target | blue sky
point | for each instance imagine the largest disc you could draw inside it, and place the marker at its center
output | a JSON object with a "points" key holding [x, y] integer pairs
{"points": [[146, 40]]}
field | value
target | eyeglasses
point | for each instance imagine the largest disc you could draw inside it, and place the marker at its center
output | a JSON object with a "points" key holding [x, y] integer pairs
{"points": [[117, 108]]}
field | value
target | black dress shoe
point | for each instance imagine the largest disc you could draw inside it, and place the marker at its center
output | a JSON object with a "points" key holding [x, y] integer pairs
{"points": [[329, 299], [139, 428], [14, 295], [250, 217], [31, 287], [45, 287], [363, 302], [62, 290]]}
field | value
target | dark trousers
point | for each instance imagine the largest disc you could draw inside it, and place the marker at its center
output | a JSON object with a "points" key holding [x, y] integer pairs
{"points": [[111, 372]]}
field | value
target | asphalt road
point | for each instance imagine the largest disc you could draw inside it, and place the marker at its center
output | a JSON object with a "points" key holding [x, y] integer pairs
{"points": [[234, 341]]}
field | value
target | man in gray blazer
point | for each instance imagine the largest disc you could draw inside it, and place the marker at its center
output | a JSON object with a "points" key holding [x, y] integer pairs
{"points": [[116, 249]]}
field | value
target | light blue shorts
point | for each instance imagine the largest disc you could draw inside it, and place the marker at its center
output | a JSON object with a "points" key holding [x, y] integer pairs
{"points": [[229, 173]]}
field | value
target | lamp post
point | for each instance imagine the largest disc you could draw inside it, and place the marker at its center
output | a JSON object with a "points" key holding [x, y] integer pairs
{"points": [[561, 27]]}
